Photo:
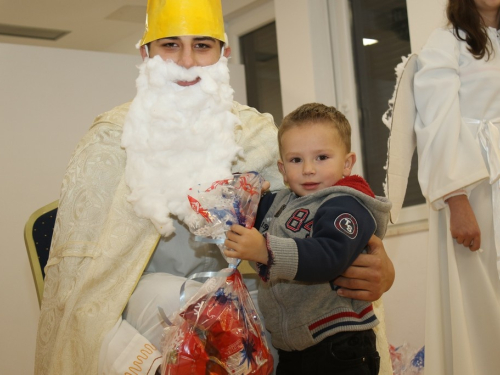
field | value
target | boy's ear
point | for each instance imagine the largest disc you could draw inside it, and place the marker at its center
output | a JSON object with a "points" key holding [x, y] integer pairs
{"points": [[350, 160], [281, 168]]}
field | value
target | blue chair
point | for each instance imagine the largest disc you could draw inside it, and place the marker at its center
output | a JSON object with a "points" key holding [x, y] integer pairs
{"points": [[38, 236]]}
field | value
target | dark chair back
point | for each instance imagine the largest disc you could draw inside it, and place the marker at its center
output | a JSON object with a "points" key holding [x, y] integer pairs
{"points": [[38, 237]]}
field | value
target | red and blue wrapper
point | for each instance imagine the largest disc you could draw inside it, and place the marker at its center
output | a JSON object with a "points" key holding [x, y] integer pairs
{"points": [[217, 332], [224, 203]]}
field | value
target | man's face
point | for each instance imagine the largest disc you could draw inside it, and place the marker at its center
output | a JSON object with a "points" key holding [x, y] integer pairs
{"points": [[174, 135], [187, 51]]}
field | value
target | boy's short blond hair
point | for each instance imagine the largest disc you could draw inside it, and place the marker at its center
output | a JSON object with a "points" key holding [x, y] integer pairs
{"points": [[313, 113]]}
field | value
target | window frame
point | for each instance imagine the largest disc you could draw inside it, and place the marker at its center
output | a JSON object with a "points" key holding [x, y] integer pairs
{"points": [[412, 218], [246, 23]]}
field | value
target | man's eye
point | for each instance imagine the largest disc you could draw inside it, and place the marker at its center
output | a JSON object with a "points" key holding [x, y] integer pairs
{"points": [[169, 45], [202, 46]]}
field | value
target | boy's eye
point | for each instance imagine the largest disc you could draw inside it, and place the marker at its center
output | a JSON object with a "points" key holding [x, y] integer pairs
{"points": [[295, 160], [323, 157], [202, 46], [169, 45]]}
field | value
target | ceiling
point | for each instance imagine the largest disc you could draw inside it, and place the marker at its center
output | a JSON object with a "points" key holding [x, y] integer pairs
{"points": [[93, 25]]}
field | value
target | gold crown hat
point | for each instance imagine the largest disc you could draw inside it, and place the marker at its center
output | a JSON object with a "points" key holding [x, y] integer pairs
{"points": [[168, 18]]}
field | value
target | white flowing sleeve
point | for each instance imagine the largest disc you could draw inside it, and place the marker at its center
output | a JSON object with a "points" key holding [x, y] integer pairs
{"points": [[449, 156]]}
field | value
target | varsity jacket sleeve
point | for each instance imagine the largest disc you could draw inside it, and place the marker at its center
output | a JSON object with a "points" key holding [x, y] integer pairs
{"points": [[342, 227]]}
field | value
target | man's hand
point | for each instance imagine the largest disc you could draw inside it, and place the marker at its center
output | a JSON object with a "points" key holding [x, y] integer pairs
{"points": [[463, 224], [370, 276], [247, 244]]}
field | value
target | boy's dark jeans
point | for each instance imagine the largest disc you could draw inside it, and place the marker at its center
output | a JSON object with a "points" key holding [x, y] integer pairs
{"points": [[345, 353]]}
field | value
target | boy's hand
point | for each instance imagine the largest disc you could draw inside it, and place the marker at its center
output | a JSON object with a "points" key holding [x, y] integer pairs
{"points": [[247, 244]]}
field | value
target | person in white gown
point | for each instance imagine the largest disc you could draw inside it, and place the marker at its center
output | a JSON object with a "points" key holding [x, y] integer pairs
{"points": [[457, 95]]}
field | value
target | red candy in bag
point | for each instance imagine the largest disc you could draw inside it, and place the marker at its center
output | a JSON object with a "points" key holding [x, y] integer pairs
{"points": [[189, 356], [224, 319]]}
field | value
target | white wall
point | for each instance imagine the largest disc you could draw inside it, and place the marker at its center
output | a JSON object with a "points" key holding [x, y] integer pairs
{"points": [[48, 99], [405, 301], [424, 16]]}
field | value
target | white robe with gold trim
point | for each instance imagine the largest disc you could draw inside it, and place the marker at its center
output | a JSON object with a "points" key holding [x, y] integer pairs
{"points": [[100, 247]]}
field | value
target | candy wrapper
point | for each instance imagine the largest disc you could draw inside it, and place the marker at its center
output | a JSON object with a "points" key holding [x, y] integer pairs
{"points": [[218, 331], [406, 360], [223, 203]]}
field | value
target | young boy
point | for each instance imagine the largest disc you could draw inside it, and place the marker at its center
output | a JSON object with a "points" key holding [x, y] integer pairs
{"points": [[312, 232]]}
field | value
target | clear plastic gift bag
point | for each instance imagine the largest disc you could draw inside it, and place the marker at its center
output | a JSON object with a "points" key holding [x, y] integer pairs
{"points": [[223, 203], [218, 331]]}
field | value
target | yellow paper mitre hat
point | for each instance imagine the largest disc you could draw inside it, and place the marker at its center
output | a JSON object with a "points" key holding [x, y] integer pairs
{"points": [[167, 18]]}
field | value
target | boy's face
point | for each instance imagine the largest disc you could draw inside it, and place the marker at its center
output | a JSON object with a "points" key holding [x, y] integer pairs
{"points": [[187, 51], [313, 158]]}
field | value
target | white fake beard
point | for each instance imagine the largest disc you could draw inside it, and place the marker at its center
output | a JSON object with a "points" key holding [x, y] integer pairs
{"points": [[177, 137]]}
